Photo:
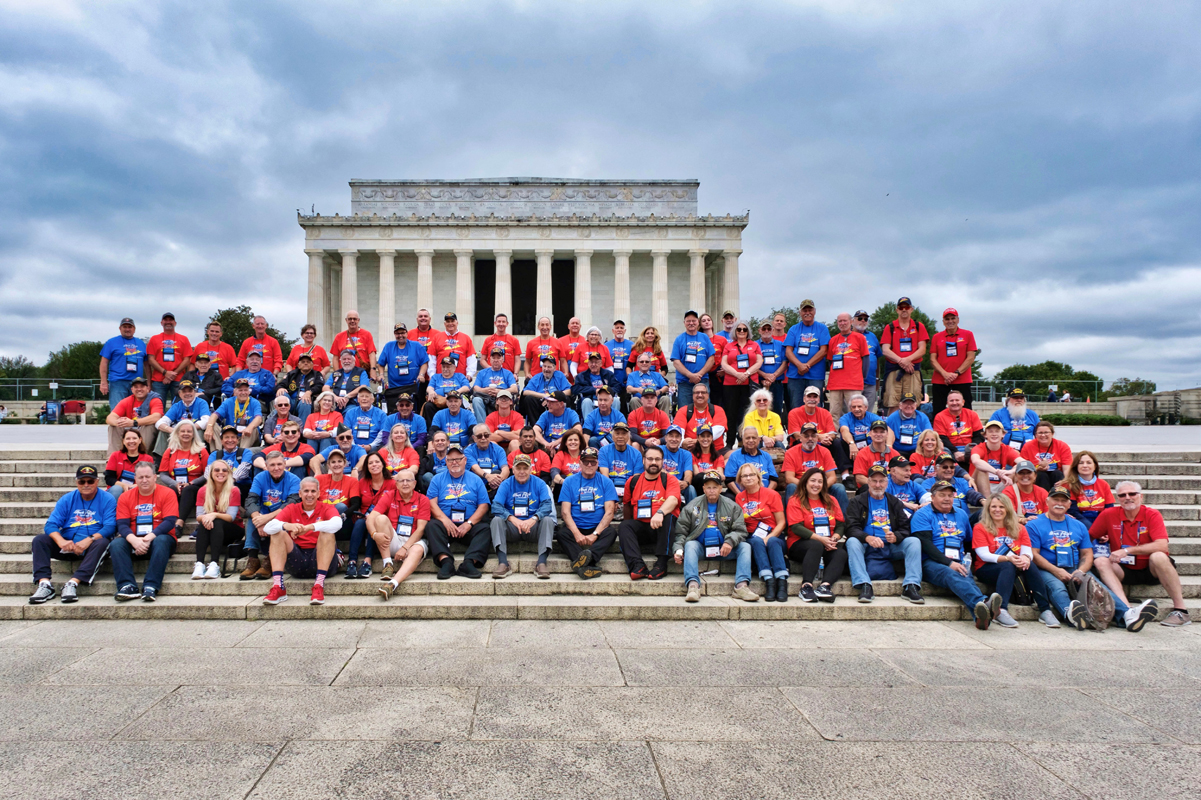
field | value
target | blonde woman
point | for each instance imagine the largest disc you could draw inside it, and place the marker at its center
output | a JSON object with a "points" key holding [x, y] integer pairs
{"points": [[648, 341], [927, 448], [321, 426], [397, 453], [763, 512], [217, 522], [760, 417], [1002, 551], [182, 469]]}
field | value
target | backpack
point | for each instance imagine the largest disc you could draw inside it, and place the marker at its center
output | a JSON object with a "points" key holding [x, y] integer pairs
{"points": [[1097, 602]]}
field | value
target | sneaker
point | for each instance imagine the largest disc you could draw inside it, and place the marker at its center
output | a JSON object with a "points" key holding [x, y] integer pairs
{"points": [[352, 571], [213, 572], [588, 573], [252, 568], [469, 570], [70, 592], [276, 596], [365, 569], [807, 594], [503, 570], [198, 571], [824, 594], [446, 569], [743, 592], [1048, 618], [387, 588], [1005, 620], [584, 559], [639, 573], [1136, 618], [542, 570], [913, 594], [983, 615], [388, 571], [1176, 619], [657, 572], [317, 598], [128, 592], [994, 604], [43, 593], [1075, 615], [694, 593], [149, 594], [866, 593]]}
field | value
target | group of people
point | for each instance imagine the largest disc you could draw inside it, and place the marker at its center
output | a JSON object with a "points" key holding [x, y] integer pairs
{"points": [[426, 450]]}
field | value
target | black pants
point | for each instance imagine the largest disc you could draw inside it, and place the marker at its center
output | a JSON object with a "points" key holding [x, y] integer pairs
{"points": [[604, 541], [716, 391], [428, 410], [393, 392], [531, 408], [1048, 479], [633, 532], [187, 500], [1000, 575], [735, 399], [939, 392], [810, 552], [842, 454], [478, 542], [214, 541], [45, 549]]}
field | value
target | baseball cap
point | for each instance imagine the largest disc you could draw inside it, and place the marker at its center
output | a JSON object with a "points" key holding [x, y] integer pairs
{"points": [[904, 301], [944, 457], [603, 389], [765, 325], [879, 424], [454, 446], [504, 393], [620, 425], [140, 379], [809, 426], [908, 396], [619, 322], [186, 385], [558, 397], [950, 312], [1017, 391], [807, 303], [1059, 489], [674, 429], [302, 357], [454, 393], [168, 315], [400, 326], [690, 313], [876, 469], [497, 350], [713, 476], [728, 313], [366, 389], [203, 356], [813, 390], [898, 461], [649, 392], [522, 458], [1023, 466], [127, 321], [992, 423], [229, 429], [259, 356], [450, 315], [404, 397], [595, 355], [940, 485], [861, 313], [86, 471], [548, 357], [447, 360], [704, 427], [589, 453]]}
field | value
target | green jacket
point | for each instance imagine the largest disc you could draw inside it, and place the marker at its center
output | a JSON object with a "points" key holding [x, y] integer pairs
{"points": [[695, 518]]}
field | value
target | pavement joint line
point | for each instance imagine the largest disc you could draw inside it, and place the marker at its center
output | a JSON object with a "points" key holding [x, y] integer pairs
{"points": [[267, 768], [475, 707], [257, 627], [349, 658], [64, 666], [722, 625], [650, 748], [1102, 698], [145, 711], [1034, 759], [875, 652], [801, 711]]}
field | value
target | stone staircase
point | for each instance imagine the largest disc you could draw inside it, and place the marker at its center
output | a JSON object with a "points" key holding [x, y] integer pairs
{"points": [[31, 481]]}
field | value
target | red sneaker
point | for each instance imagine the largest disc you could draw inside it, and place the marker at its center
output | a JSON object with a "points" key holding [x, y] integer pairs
{"points": [[318, 597], [277, 595], [638, 574]]}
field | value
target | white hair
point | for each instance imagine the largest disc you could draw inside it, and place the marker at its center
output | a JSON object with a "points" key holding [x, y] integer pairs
{"points": [[760, 394], [855, 397], [310, 479], [1118, 488]]}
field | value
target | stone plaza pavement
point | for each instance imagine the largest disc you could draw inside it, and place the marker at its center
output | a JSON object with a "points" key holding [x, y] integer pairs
{"points": [[539, 709]]}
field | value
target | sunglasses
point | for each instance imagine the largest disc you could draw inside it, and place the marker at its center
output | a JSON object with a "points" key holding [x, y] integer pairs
{"points": [[742, 330], [345, 438], [86, 481], [481, 436], [1128, 494]]}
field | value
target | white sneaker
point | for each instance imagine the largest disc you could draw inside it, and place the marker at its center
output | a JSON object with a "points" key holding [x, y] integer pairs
{"points": [[1004, 620], [198, 571], [1048, 618], [213, 572]]}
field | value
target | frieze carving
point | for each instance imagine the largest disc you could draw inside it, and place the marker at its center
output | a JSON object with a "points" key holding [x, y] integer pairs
{"points": [[385, 233], [623, 233], [544, 233], [699, 233], [502, 233], [462, 233]]}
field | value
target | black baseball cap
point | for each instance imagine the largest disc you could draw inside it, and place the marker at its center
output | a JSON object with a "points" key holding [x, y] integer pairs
{"points": [[878, 424], [447, 360], [186, 385], [404, 397], [203, 356], [898, 461], [168, 315], [649, 392], [904, 301], [548, 357], [451, 315], [940, 485], [302, 357], [944, 457], [1061, 490], [876, 469], [140, 379], [86, 471], [558, 396], [604, 389], [620, 425], [126, 321], [809, 426], [229, 429], [241, 382], [908, 396], [589, 453], [454, 446]]}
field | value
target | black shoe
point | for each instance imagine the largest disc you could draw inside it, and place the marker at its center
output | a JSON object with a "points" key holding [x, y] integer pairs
{"points": [[781, 590], [866, 593], [910, 592], [446, 570], [584, 559], [824, 594], [352, 571], [469, 570], [588, 573], [769, 590], [658, 572], [807, 594], [639, 573]]}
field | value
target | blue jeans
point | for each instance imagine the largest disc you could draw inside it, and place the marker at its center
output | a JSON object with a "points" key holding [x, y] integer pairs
{"points": [[687, 493], [118, 391], [587, 406], [741, 555], [479, 409], [1053, 591], [357, 535], [166, 390], [797, 387], [121, 553], [302, 409], [911, 550], [598, 441], [837, 491], [684, 391], [770, 557], [321, 445], [963, 586]]}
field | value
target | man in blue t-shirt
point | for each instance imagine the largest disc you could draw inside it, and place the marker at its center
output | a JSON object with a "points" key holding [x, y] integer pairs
{"points": [[523, 511], [79, 529], [541, 386], [241, 411], [643, 378], [750, 453], [854, 431], [418, 432], [441, 386], [775, 367], [619, 347], [262, 382], [859, 323], [454, 420], [693, 356], [269, 493], [587, 503], [458, 512], [121, 360], [405, 364], [555, 422], [486, 458], [677, 462], [966, 495], [805, 349], [366, 420], [906, 424], [618, 461], [490, 381], [1018, 420], [600, 422]]}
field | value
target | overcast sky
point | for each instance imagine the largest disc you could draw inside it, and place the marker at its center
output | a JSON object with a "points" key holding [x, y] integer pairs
{"points": [[1035, 165]]}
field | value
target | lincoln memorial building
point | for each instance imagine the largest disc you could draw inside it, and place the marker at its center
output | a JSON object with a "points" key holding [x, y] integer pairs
{"points": [[596, 249]]}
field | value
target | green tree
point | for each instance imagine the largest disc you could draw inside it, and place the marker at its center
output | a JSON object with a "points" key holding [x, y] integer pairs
{"points": [[237, 326], [883, 315], [17, 367], [1127, 387], [78, 361], [1034, 379], [791, 316]]}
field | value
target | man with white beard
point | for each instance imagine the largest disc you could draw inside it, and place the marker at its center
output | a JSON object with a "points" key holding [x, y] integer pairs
{"points": [[859, 323], [1019, 421]]}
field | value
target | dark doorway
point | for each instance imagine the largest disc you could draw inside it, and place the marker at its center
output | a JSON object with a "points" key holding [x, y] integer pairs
{"points": [[525, 298], [485, 296], [562, 303]]}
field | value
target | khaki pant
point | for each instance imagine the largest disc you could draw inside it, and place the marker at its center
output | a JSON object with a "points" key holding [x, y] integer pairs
{"points": [[899, 382], [839, 401]]}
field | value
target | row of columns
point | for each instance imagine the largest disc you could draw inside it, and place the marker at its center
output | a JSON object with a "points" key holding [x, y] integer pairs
{"points": [[504, 284]]}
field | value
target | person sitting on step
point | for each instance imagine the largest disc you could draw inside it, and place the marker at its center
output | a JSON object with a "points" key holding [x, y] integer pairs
{"points": [[711, 526], [302, 544], [524, 511], [587, 504], [397, 524], [79, 529]]}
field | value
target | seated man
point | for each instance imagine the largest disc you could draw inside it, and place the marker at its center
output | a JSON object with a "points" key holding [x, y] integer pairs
{"points": [[878, 451], [404, 415], [454, 420], [340, 490], [241, 411], [805, 456], [1017, 420], [208, 379], [750, 453], [397, 524], [650, 510], [713, 525], [854, 429], [677, 462], [441, 387], [141, 410], [945, 469], [992, 462], [644, 378], [190, 406], [487, 459], [598, 424], [489, 382], [261, 381], [296, 453], [589, 381], [1064, 554], [812, 412], [1138, 550], [78, 529], [902, 486], [587, 504], [1028, 500], [145, 528], [269, 493], [699, 413], [302, 543], [433, 462], [647, 422], [618, 461], [504, 424], [344, 441], [879, 545], [959, 428], [523, 511], [541, 386], [555, 422], [345, 380], [302, 386], [366, 420], [458, 511], [405, 366], [527, 443], [273, 426], [946, 537], [906, 424]]}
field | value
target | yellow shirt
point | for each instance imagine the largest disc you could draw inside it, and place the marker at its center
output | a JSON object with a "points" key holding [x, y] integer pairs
{"points": [[767, 426]]}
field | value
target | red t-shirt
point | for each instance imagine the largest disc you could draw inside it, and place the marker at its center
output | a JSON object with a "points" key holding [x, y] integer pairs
{"points": [[796, 460], [702, 464], [119, 463], [540, 458], [583, 355], [646, 489], [760, 507], [951, 351], [125, 407], [658, 362], [853, 349], [714, 415], [323, 422], [1003, 458], [458, 347], [958, 427], [235, 502], [810, 516], [1059, 453], [408, 459], [268, 347], [820, 417], [536, 348], [1147, 526], [320, 357], [509, 343], [177, 464], [513, 422], [142, 511], [295, 514], [652, 423], [1093, 498], [301, 449], [566, 463], [221, 356], [369, 495], [866, 457], [568, 345], [391, 506], [719, 347], [1029, 505], [922, 467], [169, 350], [982, 538], [431, 339], [915, 331], [340, 491], [729, 355]]}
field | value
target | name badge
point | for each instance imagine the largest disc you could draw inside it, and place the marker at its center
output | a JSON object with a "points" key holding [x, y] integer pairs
{"points": [[822, 530], [836, 362], [404, 371], [743, 361], [131, 365], [802, 350], [180, 480], [1127, 560], [769, 360], [906, 345], [762, 530], [952, 349], [621, 491], [644, 509], [168, 356], [587, 506], [144, 529], [458, 517], [521, 512], [713, 552], [363, 434], [690, 358], [951, 553], [404, 527], [906, 438]]}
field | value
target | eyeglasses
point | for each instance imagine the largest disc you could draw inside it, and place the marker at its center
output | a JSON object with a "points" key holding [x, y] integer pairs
{"points": [[345, 438], [742, 330], [761, 400], [86, 481], [1121, 495], [481, 436]]}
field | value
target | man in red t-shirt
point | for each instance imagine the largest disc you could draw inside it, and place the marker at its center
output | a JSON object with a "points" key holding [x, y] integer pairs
{"points": [[146, 518], [527, 443], [903, 342], [952, 352], [647, 423], [264, 345], [457, 346], [509, 344], [849, 357], [221, 355], [827, 428], [805, 456], [878, 451], [360, 340], [505, 423], [140, 410], [651, 505], [959, 428], [168, 354], [701, 411], [568, 345], [544, 344], [397, 525], [302, 543], [991, 465], [1138, 550]]}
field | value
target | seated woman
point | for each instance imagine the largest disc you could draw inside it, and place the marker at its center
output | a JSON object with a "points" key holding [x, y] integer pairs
{"points": [[1090, 492], [217, 510], [815, 532], [567, 460], [397, 524], [322, 424], [1049, 455], [352, 452], [182, 469], [1002, 551], [119, 471], [927, 448], [764, 516], [705, 456], [760, 417], [372, 485], [396, 451]]}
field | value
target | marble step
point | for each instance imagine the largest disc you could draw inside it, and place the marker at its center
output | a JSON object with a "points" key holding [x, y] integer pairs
{"points": [[1149, 468], [32, 467], [1175, 457], [85, 454]]}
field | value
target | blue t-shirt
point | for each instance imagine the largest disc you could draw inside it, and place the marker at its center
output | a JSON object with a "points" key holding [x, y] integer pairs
{"points": [[621, 354], [806, 340], [490, 458], [261, 382], [951, 532], [367, 427], [495, 378], [641, 380], [347, 383], [598, 425], [457, 496], [711, 536], [76, 519], [859, 428], [909, 491], [232, 459], [773, 355], [415, 424], [878, 524], [125, 357], [874, 350], [737, 458], [403, 362], [226, 412], [522, 500], [457, 427], [1059, 542], [620, 465], [693, 351], [1017, 433], [195, 412], [553, 427], [439, 463], [538, 383], [273, 494], [352, 457], [443, 385], [578, 490], [906, 431], [963, 488], [677, 463]]}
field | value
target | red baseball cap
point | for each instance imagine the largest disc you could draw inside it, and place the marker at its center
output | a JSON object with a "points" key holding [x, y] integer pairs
{"points": [[950, 312]]}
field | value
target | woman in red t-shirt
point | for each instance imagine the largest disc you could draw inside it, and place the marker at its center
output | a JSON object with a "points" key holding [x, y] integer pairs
{"points": [[118, 472], [764, 516], [705, 457], [1001, 552], [815, 532], [397, 453], [567, 460], [309, 347], [182, 469], [376, 480], [1089, 491], [648, 340], [1049, 455], [928, 448], [321, 426], [740, 363], [217, 507], [593, 343]]}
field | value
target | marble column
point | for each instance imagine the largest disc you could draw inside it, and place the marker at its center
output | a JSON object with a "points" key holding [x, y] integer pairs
{"points": [[387, 295], [504, 283], [464, 307], [583, 287], [350, 282], [696, 282], [544, 303], [316, 312], [659, 290], [621, 287], [425, 280], [730, 282]]}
